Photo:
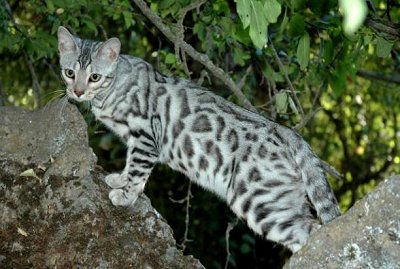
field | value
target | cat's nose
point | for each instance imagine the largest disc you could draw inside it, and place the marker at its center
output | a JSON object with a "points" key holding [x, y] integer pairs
{"points": [[78, 92]]}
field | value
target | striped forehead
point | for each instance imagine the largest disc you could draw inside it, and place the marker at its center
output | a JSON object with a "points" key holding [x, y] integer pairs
{"points": [[87, 47]]}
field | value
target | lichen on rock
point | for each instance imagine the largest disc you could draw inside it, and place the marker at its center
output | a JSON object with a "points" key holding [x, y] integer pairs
{"points": [[367, 236], [58, 214]]}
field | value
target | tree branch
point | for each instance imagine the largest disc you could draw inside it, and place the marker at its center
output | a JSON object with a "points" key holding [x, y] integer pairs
{"points": [[199, 57], [383, 27], [229, 228], [288, 81], [187, 217], [180, 34], [378, 76], [35, 81]]}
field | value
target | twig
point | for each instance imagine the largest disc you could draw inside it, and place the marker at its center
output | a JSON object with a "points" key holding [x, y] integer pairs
{"points": [[383, 28], [203, 75], [243, 80], [288, 81], [378, 76], [50, 67], [187, 217], [35, 81], [306, 119], [180, 34], [200, 57], [229, 228]]}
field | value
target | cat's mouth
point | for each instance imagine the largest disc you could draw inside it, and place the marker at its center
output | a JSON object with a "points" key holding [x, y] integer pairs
{"points": [[79, 96]]}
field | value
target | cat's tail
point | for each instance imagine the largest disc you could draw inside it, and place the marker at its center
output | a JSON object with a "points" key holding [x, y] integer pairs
{"points": [[317, 187]]}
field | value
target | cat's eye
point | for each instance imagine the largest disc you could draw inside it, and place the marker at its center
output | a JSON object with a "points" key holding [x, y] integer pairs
{"points": [[94, 77], [69, 73]]}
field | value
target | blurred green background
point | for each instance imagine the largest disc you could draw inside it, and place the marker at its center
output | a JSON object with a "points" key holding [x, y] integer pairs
{"points": [[349, 84]]}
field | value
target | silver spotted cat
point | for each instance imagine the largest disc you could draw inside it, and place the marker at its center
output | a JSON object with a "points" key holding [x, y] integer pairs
{"points": [[265, 172]]}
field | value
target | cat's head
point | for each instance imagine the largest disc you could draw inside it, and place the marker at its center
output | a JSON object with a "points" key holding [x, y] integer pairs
{"points": [[87, 66]]}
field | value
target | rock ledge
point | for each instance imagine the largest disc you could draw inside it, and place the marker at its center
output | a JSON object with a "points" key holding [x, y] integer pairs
{"points": [[54, 209]]}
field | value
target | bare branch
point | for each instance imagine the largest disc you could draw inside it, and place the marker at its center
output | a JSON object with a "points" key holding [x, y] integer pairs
{"points": [[180, 33], [35, 82], [200, 57], [187, 217], [378, 76], [229, 228], [203, 75], [243, 80], [383, 27], [306, 119], [288, 81]]}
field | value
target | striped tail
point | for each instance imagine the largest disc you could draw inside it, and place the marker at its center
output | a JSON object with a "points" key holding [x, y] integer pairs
{"points": [[318, 190]]}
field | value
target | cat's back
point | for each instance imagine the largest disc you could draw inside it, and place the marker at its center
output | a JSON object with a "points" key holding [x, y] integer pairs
{"points": [[250, 126]]}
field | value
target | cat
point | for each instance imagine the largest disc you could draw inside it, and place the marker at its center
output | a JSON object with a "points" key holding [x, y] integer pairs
{"points": [[265, 172]]}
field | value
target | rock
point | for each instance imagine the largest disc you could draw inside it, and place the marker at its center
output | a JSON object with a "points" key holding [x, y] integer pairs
{"points": [[56, 134], [366, 237], [54, 209]]}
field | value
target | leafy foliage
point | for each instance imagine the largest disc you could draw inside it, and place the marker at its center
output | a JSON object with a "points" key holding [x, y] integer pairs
{"points": [[350, 83]]}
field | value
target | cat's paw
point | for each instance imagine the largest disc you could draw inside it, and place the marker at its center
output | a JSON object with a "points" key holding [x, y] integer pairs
{"points": [[120, 197], [116, 181]]}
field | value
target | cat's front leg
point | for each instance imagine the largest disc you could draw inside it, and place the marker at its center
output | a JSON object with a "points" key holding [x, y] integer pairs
{"points": [[128, 185]]}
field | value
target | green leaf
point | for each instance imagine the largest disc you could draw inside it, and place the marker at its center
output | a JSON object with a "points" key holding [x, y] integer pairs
{"points": [[383, 47], [127, 18], [272, 10], [243, 9], [251, 12], [240, 57], [303, 51], [258, 25], [91, 26], [327, 50], [296, 26], [28, 173], [281, 102], [284, 23], [245, 248], [50, 5], [170, 58], [297, 4]]}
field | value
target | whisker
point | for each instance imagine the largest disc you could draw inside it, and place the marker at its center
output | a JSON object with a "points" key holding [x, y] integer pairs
{"points": [[57, 94], [63, 104]]}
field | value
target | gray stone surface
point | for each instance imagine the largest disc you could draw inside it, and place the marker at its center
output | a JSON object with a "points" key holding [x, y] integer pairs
{"points": [[57, 214], [57, 134], [366, 237]]}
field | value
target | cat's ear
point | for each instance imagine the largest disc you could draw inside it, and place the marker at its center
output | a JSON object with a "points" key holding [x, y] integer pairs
{"points": [[109, 50], [66, 42]]}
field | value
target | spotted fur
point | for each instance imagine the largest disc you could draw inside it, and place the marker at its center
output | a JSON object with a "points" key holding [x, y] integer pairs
{"points": [[265, 172]]}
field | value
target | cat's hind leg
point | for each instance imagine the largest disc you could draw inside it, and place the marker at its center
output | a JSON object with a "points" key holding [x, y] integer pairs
{"points": [[289, 221], [277, 211]]}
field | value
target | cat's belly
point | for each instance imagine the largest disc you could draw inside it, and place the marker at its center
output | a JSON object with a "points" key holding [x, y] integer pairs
{"points": [[214, 182]]}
